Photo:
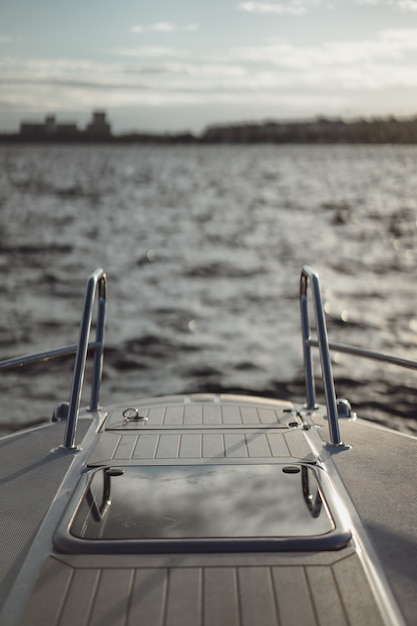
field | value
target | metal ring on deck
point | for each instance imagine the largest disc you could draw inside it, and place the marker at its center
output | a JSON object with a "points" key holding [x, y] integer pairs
{"points": [[131, 413]]}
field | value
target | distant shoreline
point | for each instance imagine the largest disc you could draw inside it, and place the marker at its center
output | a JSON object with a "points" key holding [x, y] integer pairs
{"points": [[317, 131]]}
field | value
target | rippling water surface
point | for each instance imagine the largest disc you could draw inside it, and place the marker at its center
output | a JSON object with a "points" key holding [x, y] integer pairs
{"points": [[203, 248]]}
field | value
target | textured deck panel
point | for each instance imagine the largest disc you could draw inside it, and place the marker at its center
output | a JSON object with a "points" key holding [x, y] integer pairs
{"points": [[386, 501], [263, 591], [180, 445], [209, 410], [24, 503], [202, 427]]}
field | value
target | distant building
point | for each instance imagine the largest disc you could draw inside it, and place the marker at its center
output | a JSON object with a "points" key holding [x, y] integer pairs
{"points": [[50, 124], [31, 129], [98, 128], [50, 130]]}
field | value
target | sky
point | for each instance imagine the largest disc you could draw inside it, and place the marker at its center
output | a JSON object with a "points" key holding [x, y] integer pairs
{"points": [[182, 65]]}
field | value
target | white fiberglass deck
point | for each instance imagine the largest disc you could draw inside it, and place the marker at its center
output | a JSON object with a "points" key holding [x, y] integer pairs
{"points": [[89, 579]]}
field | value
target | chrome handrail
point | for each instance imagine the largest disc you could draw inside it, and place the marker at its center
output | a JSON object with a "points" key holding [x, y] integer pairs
{"points": [[40, 357], [96, 283], [307, 274], [324, 346], [368, 354]]}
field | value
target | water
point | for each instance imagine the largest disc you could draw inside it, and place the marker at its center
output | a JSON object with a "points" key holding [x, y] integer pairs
{"points": [[203, 247]]}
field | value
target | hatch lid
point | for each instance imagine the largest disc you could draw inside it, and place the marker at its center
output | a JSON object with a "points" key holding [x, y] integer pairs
{"points": [[202, 507]]}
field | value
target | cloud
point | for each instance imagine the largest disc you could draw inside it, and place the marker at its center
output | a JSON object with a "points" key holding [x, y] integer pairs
{"points": [[293, 7], [203, 71], [163, 27], [403, 38], [153, 52], [391, 46], [403, 5], [88, 75], [407, 5], [165, 76]]}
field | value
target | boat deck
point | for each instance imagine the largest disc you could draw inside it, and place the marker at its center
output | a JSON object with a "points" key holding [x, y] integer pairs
{"points": [[207, 589], [380, 475], [167, 582], [28, 484], [207, 509]]}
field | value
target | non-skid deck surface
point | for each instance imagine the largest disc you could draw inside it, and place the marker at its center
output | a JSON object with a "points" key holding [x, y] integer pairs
{"points": [[175, 445], [203, 410], [203, 590], [30, 474], [229, 589], [216, 427], [380, 474]]}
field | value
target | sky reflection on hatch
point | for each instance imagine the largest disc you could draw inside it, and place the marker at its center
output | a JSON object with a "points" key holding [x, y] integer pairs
{"points": [[197, 502]]}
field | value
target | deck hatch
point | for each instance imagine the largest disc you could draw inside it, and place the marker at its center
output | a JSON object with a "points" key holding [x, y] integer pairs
{"points": [[201, 507], [208, 411]]}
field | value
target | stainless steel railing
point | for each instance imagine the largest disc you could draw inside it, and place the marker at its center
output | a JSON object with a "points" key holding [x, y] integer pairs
{"points": [[96, 284], [307, 275], [324, 346]]}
